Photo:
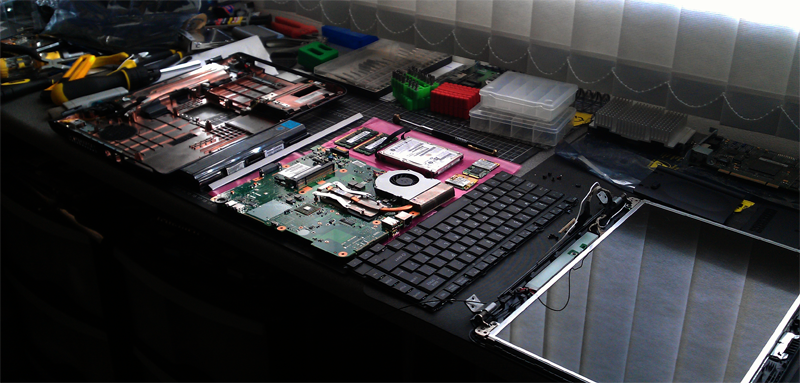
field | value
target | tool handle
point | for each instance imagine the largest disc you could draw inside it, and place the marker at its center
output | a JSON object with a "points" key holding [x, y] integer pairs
{"points": [[126, 78], [10, 92]]}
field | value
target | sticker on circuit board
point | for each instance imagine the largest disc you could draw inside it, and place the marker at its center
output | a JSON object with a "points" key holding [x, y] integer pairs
{"points": [[481, 168], [461, 181], [424, 157], [356, 138], [376, 143]]}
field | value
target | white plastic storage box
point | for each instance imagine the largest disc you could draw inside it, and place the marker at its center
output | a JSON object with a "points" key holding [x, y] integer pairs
{"points": [[532, 96], [518, 127]]}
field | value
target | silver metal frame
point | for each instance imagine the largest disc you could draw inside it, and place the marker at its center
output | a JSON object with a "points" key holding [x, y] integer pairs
{"points": [[757, 363]]}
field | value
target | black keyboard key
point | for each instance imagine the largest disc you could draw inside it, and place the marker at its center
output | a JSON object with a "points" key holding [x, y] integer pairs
{"points": [[522, 203], [466, 258], [446, 273], [505, 186], [426, 270], [474, 194], [476, 251], [490, 259], [556, 211], [402, 287], [423, 241], [416, 231], [409, 277], [410, 265], [480, 217], [555, 195], [443, 214], [432, 283], [514, 180], [531, 211], [468, 241], [476, 234], [406, 238], [452, 237], [514, 224], [548, 216], [497, 237], [502, 176], [461, 281], [375, 274], [513, 209], [522, 217], [433, 234], [505, 230], [412, 248], [515, 194], [508, 246], [442, 244], [448, 255], [394, 260], [481, 265], [571, 200], [378, 258], [542, 221], [442, 295], [540, 191], [472, 209], [489, 211], [488, 228], [498, 220], [517, 239], [480, 203], [470, 224], [453, 221], [462, 215], [492, 196], [437, 263], [452, 287], [355, 262], [431, 251], [461, 230], [497, 205], [491, 182], [499, 253], [416, 295], [563, 206], [376, 248], [539, 206], [456, 265], [484, 188], [365, 255], [389, 281], [395, 245], [525, 233], [487, 243], [458, 248], [530, 198], [362, 270], [473, 272], [547, 200], [526, 186], [445, 227], [506, 200], [421, 258]]}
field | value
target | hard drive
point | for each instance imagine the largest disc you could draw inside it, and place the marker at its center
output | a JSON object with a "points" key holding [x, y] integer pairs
{"points": [[424, 157]]}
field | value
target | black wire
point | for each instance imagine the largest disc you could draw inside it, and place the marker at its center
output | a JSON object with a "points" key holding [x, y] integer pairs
{"points": [[434, 300], [569, 293]]}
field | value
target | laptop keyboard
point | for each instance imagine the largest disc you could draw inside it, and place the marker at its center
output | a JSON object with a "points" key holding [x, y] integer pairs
{"points": [[443, 254]]}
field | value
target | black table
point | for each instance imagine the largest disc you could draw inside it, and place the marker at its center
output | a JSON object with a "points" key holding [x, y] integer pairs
{"points": [[25, 119]]}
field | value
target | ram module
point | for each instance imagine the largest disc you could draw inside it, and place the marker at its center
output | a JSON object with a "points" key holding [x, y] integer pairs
{"points": [[356, 138], [373, 145]]}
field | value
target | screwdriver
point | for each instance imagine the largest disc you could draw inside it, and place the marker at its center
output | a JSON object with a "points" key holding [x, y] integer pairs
{"points": [[128, 78], [447, 137]]}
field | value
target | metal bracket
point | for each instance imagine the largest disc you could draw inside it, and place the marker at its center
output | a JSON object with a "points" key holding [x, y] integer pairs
{"points": [[474, 304], [485, 330]]}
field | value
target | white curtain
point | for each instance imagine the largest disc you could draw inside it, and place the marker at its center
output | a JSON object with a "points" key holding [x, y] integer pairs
{"points": [[735, 61]]}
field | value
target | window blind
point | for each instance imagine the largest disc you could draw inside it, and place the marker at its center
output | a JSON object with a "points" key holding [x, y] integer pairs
{"points": [[732, 61]]}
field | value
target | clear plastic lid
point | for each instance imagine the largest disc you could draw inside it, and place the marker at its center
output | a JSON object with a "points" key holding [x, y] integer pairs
{"points": [[529, 95]]}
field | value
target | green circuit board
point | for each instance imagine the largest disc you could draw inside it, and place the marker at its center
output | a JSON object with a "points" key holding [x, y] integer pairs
{"points": [[294, 210]]}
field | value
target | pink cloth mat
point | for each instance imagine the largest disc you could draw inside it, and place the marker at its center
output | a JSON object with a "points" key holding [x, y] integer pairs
{"points": [[470, 156]]}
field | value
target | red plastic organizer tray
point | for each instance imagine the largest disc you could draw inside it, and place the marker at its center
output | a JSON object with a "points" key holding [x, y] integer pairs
{"points": [[454, 100]]}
